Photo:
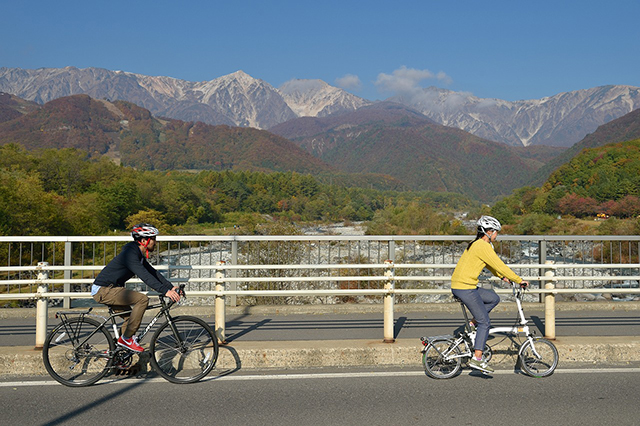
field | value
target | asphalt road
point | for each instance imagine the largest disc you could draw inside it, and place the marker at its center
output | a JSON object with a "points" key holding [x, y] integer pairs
{"points": [[337, 397]]}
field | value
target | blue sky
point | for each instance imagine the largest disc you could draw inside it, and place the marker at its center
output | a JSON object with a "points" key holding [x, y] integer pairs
{"points": [[493, 49]]}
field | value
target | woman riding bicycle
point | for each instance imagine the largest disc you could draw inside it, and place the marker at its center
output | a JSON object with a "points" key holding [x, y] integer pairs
{"points": [[464, 283]]}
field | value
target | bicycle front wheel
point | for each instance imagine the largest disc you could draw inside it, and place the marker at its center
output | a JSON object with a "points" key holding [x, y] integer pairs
{"points": [[78, 352], [185, 350], [539, 359], [441, 359]]}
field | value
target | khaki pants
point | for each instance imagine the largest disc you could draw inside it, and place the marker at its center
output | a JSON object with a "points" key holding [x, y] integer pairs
{"points": [[120, 299]]}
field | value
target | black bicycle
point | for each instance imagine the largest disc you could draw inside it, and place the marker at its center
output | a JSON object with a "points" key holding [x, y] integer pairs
{"points": [[81, 350]]}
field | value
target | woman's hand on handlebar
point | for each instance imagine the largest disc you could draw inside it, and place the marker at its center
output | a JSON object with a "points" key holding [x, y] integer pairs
{"points": [[523, 284]]}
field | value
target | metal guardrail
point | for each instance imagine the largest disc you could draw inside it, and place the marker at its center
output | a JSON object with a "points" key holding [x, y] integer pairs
{"points": [[389, 278], [223, 265]]}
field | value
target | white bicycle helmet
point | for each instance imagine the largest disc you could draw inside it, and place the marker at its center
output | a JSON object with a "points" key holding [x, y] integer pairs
{"points": [[487, 222], [143, 230]]}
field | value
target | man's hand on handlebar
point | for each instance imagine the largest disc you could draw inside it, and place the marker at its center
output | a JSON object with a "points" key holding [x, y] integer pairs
{"points": [[173, 294]]}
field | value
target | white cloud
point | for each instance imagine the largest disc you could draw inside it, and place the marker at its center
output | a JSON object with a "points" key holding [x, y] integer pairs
{"points": [[444, 78], [349, 82], [406, 81]]}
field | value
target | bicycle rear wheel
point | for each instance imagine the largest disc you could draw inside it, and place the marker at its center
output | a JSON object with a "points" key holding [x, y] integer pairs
{"points": [[78, 352], [539, 360], [434, 362], [185, 350]]}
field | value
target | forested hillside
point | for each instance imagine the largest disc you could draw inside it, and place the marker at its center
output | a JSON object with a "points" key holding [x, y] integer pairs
{"points": [[397, 141], [623, 129], [65, 192], [130, 133], [602, 181]]}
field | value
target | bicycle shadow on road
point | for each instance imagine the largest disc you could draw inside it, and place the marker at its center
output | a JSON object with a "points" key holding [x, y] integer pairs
{"points": [[227, 371], [142, 368], [101, 400], [238, 322]]}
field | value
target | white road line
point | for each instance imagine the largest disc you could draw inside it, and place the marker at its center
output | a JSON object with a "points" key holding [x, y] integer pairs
{"points": [[238, 377]]}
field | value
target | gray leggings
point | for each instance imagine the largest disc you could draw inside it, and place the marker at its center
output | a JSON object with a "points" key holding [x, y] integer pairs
{"points": [[480, 302]]}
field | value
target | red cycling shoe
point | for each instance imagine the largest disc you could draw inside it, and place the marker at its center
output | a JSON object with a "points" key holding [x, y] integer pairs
{"points": [[130, 344]]}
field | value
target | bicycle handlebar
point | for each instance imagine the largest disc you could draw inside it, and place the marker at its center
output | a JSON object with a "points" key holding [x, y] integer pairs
{"points": [[181, 290], [518, 289]]}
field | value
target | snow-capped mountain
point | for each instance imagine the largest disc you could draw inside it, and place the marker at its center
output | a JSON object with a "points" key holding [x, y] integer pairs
{"points": [[559, 120], [238, 99], [315, 98]]}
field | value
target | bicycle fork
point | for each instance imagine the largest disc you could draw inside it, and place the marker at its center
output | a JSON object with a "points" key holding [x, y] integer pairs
{"points": [[531, 341]]}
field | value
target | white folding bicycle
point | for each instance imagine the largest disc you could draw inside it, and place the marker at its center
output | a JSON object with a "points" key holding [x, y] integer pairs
{"points": [[442, 356]]}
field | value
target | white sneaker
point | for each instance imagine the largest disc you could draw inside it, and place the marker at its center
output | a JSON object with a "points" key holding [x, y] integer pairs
{"points": [[481, 365]]}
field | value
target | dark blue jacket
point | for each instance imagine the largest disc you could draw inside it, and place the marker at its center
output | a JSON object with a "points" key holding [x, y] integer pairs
{"points": [[128, 263]]}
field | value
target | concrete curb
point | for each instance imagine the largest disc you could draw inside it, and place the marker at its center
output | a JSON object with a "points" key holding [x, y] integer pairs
{"points": [[26, 361]]}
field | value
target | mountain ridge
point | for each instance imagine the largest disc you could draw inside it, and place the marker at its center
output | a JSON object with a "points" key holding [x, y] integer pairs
{"points": [[396, 140], [559, 120], [129, 132], [238, 99], [385, 144]]}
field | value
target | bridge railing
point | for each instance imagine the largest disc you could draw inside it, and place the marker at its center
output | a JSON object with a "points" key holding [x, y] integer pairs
{"points": [[327, 269]]}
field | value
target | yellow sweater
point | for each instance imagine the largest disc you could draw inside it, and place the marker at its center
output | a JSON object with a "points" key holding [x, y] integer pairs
{"points": [[481, 255]]}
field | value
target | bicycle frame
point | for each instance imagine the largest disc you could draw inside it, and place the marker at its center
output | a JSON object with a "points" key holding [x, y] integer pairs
{"points": [[164, 311], [457, 343], [523, 327], [465, 340]]}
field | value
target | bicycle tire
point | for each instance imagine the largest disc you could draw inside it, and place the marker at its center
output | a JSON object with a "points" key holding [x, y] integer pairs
{"points": [[435, 365], [62, 356], [538, 367], [187, 360]]}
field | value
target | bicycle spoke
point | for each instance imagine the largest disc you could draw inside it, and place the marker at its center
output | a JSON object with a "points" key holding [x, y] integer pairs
{"points": [[441, 359], [187, 356], [538, 358], [78, 352]]}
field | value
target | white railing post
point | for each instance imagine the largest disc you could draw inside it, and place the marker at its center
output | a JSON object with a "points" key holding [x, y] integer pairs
{"points": [[66, 302], [549, 306], [389, 299], [42, 305], [233, 299], [542, 260], [220, 308]]}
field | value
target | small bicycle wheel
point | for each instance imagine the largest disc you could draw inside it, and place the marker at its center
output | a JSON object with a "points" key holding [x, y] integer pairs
{"points": [[487, 354], [78, 352], [436, 365], [185, 350], [539, 359]]}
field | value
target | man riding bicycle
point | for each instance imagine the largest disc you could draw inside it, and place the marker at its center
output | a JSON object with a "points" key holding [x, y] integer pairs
{"points": [[109, 286], [464, 283]]}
